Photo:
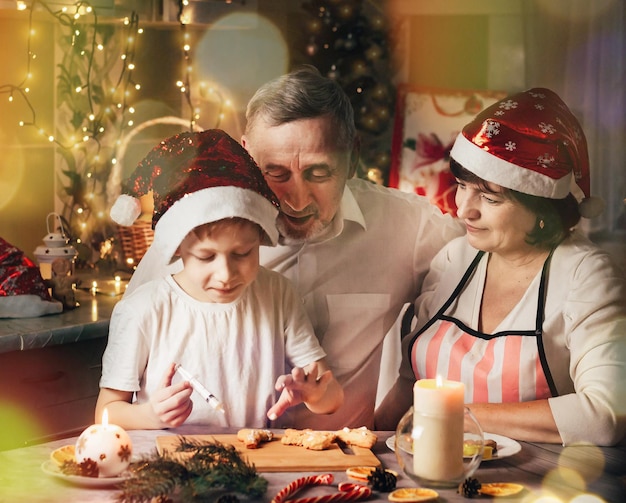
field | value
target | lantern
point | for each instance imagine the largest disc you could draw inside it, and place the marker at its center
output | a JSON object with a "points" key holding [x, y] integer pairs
{"points": [[55, 245]]}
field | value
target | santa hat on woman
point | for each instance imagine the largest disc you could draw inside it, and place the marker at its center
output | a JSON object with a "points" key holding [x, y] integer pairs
{"points": [[532, 143], [197, 178]]}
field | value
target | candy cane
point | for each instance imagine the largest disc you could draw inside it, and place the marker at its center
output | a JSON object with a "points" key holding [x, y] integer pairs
{"points": [[348, 492], [296, 485]]}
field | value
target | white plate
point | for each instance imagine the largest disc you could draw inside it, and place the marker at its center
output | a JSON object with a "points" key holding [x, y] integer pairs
{"points": [[52, 468], [506, 446]]}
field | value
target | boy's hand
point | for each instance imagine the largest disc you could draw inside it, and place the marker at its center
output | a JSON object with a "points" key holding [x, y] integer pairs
{"points": [[172, 403], [298, 387]]}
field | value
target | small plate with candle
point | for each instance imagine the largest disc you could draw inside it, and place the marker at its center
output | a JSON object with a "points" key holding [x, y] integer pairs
{"points": [[52, 468], [99, 458]]}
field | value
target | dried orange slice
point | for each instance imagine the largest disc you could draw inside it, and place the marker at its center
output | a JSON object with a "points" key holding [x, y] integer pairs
{"points": [[411, 494], [359, 472], [362, 472], [500, 489], [62, 454]]}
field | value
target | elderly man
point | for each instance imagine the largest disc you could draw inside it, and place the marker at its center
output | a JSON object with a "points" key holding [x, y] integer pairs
{"points": [[356, 252]]}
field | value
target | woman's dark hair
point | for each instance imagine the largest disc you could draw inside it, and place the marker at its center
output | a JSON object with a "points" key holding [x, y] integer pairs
{"points": [[559, 216]]}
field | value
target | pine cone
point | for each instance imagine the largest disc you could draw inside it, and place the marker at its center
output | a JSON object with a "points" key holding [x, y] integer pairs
{"points": [[88, 468], [382, 480], [228, 498], [470, 488]]}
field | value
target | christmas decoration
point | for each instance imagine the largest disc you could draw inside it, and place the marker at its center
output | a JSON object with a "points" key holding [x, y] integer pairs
{"points": [[95, 92], [196, 471], [347, 491], [382, 480], [469, 488], [347, 40]]}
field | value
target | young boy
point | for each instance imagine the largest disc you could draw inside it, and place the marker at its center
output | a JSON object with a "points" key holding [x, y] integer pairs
{"points": [[233, 325]]}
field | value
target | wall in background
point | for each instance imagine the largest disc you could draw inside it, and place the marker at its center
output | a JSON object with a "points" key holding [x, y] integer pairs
{"points": [[26, 158]]}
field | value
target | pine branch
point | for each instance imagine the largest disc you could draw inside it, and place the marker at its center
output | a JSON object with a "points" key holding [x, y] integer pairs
{"points": [[210, 468]]}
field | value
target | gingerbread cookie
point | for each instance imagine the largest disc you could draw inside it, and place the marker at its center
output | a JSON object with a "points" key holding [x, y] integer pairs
{"points": [[252, 438], [360, 437], [309, 439]]}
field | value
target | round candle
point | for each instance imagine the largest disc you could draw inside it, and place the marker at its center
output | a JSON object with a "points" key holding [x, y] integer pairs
{"points": [[108, 445], [438, 412]]}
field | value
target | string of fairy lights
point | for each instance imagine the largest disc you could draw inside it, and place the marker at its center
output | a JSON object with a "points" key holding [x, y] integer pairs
{"points": [[96, 92]]}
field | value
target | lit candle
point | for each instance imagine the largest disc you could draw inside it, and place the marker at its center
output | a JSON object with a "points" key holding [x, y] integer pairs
{"points": [[107, 444], [438, 407]]}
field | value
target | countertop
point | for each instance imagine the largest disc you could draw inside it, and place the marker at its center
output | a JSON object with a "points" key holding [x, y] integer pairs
{"points": [[88, 321]]}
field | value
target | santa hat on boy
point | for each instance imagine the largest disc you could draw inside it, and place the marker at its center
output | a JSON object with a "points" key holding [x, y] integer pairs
{"points": [[532, 143], [197, 178]]}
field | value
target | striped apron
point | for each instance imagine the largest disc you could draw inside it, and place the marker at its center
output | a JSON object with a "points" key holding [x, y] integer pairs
{"points": [[507, 366]]}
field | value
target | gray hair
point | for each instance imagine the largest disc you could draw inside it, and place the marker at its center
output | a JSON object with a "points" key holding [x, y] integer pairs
{"points": [[303, 94]]}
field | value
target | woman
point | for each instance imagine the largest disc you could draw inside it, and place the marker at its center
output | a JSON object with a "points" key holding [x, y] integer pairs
{"points": [[528, 313]]}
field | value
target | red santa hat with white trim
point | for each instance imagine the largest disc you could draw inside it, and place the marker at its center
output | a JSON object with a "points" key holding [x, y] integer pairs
{"points": [[197, 178], [532, 143]]}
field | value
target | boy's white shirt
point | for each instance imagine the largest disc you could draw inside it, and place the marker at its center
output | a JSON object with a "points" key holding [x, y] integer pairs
{"points": [[236, 350]]}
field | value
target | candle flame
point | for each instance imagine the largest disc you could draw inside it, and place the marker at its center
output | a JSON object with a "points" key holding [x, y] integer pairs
{"points": [[439, 381], [105, 417]]}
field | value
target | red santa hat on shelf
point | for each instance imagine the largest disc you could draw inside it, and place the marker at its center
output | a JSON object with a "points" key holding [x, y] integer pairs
{"points": [[23, 292], [532, 143], [197, 178]]}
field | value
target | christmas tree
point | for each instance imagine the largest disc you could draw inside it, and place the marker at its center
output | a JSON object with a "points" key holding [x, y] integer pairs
{"points": [[347, 40]]}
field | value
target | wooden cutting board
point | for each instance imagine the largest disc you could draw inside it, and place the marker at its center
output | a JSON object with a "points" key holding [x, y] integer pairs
{"points": [[276, 457]]}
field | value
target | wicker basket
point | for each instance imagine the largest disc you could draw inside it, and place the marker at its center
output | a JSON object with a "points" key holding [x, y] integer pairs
{"points": [[135, 240]]}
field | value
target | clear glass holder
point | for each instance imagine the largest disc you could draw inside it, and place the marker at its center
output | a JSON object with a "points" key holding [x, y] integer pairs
{"points": [[430, 448]]}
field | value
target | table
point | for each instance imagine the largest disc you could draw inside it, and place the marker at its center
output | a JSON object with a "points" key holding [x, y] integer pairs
{"points": [[544, 470]]}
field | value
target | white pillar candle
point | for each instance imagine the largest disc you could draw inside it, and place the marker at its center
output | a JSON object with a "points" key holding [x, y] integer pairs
{"points": [[108, 445], [438, 412]]}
